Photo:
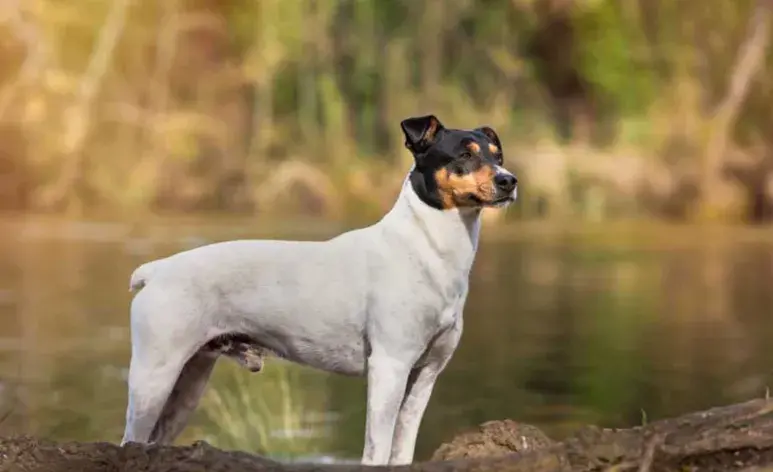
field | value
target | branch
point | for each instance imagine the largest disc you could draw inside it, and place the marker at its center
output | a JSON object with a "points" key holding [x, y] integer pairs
{"points": [[78, 115], [36, 53], [748, 63]]}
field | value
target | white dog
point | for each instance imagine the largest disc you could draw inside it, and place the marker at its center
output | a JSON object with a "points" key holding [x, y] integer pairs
{"points": [[383, 301]]}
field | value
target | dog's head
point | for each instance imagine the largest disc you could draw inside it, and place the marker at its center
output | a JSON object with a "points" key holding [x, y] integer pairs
{"points": [[457, 168]]}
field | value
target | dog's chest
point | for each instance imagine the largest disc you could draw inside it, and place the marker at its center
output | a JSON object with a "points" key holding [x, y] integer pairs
{"points": [[453, 302]]}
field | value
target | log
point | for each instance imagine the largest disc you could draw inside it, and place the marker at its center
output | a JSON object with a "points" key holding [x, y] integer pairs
{"points": [[734, 437]]}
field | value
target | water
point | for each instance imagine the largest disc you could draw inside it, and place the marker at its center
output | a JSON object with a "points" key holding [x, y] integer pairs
{"points": [[609, 325]]}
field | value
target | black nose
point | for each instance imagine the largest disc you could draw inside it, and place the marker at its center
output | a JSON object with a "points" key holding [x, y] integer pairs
{"points": [[505, 182]]}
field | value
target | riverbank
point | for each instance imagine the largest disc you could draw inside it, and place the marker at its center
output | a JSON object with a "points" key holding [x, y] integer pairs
{"points": [[734, 437]]}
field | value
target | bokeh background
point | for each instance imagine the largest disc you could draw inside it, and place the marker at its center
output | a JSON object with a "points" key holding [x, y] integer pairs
{"points": [[631, 280]]}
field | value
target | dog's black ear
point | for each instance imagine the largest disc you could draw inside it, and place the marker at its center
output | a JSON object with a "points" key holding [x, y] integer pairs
{"points": [[420, 132], [491, 134]]}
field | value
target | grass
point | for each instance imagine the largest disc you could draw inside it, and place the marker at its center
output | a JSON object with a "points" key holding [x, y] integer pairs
{"points": [[269, 413]]}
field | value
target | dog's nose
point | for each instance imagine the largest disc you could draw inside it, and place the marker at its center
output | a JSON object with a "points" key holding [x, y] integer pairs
{"points": [[506, 182]]}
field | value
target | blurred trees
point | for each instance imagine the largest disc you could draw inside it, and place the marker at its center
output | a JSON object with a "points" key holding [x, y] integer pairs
{"points": [[606, 108]]}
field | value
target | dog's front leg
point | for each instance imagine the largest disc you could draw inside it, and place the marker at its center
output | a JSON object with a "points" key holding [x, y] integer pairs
{"points": [[387, 378], [418, 390], [417, 394]]}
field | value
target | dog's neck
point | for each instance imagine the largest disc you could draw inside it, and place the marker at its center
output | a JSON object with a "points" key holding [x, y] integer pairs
{"points": [[452, 234]]}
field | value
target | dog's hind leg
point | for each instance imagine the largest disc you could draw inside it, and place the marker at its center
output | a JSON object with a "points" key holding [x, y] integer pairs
{"points": [[149, 389], [184, 398], [150, 385]]}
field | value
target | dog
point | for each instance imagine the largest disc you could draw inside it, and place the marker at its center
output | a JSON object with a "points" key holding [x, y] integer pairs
{"points": [[384, 301]]}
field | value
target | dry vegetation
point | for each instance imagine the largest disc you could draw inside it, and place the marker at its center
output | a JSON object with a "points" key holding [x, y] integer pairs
{"points": [[607, 108]]}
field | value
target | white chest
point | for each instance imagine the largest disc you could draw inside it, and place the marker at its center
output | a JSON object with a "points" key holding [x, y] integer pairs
{"points": [[453, 306]]}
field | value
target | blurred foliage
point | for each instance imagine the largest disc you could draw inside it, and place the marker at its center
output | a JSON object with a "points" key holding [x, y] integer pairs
{"points": [[606, 108]]}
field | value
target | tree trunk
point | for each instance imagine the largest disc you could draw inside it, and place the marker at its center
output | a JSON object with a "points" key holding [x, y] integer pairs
{"points": [[750, 60]]}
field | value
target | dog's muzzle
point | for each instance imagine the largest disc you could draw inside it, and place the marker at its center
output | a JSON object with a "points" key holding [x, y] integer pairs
{"points": [[506, 185], [505, 182]]}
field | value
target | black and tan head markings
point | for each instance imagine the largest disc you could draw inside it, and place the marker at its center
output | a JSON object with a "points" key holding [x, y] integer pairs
{"points": [[471, 188], [454, 168], [492, 144]]}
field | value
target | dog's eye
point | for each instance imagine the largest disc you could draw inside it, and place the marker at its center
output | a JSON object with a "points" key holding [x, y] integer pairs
{"points": [[457, 167], [466, 155]]}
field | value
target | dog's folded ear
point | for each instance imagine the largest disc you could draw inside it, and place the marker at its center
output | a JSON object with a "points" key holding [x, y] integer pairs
{"points": [[491, 134], [420, 132]]}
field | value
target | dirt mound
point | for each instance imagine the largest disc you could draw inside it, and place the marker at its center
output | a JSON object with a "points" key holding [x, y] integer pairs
{"points": [[494, 439]]}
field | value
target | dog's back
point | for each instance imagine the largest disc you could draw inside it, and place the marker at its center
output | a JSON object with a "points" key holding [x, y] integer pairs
{"points": [[261, 288]]}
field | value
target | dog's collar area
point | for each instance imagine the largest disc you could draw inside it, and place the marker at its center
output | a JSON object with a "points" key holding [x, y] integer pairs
{"points": [[448, 230]]}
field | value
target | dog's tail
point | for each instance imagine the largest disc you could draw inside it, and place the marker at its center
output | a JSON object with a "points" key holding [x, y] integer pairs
{"points": [[141, 275]]}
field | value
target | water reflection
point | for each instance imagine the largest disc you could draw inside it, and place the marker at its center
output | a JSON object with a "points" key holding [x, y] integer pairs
{"points": [[561, 329]]}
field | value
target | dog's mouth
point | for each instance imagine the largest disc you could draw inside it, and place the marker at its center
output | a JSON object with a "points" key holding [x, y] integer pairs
{"points": [[502, 201], [498, 202]]}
